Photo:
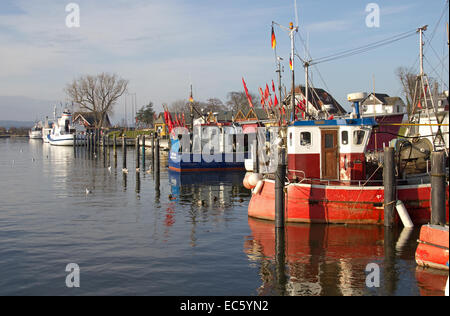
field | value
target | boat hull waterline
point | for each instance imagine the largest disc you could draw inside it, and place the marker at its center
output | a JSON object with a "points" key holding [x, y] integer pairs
{"points": [[340, 204]]}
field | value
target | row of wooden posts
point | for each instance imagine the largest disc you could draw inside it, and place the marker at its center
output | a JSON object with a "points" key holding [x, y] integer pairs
{"points": [[93, 142]]}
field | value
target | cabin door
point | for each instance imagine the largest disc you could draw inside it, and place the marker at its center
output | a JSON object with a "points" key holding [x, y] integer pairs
{"points": [[330, 154]]}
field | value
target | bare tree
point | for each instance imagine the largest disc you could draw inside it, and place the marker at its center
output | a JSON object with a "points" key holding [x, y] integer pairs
{"points": [[97, 94], [408, 81], [214, 105], [237, 100], [179, 106]]}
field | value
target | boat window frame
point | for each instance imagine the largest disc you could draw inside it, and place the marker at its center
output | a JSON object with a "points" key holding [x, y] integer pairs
{"points": [[358, 131], [310, 139]]}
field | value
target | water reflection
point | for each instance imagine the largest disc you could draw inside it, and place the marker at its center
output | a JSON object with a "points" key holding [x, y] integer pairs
{"points": [[207, 189], [330, 259], [205, 196]]}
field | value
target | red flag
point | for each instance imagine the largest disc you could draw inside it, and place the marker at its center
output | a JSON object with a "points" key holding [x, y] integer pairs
{"points": [[249, 97], [266, 92], [262, 96], [273, 87], [168, 119], [275, 102]]}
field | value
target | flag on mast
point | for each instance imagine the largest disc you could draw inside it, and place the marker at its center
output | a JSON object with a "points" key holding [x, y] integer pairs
{"points": [[274, 40], [290, 63], [249, 97]]}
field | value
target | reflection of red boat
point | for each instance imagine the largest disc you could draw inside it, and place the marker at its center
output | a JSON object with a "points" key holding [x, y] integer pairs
{"points": [[321, 259], [432, 250], [431, 282]]}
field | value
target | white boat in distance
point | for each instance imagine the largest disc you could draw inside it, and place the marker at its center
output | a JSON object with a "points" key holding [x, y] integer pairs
{"points": [[35, 132], [62, 133], [46, 130]]}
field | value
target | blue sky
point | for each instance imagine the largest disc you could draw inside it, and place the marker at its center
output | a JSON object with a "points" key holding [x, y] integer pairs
{"points": [[163, 46]]}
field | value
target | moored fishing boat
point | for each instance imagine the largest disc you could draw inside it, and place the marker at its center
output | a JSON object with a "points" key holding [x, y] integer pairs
{"points": [[330, 178], [63, 132], [35, 132]]}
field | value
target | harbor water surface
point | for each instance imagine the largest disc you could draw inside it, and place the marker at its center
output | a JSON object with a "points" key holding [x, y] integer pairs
{"points": [[191, 237]]}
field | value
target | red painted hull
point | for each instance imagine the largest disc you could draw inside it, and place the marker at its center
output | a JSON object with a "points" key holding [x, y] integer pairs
{"points": [[340, 204], [432, 250]]}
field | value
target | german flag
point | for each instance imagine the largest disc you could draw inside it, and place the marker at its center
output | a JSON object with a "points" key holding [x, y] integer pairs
{"points": [[290, 63], [274, 40]]}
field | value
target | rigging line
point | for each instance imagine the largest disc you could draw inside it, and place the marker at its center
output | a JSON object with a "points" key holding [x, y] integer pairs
{"points": [[357, 51], [434, 70], [309, 56], [368, 46], [444, 10], [432, 48]]}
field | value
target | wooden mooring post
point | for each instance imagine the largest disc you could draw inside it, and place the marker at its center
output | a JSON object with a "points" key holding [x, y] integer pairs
{"points": [[157, 173], [153, 151], [280, 177], [138, 158], [143, 152], [438, 184], [124, 152], [389, 184]]}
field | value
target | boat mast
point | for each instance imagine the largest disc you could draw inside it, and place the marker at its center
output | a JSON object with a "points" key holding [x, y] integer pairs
{"points": [[279, 59], [191, 101], [291, 35]]}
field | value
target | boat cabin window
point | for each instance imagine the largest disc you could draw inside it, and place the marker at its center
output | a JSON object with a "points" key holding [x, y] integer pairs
{"points": [[305, 138], [344, 137], [358, 137]]}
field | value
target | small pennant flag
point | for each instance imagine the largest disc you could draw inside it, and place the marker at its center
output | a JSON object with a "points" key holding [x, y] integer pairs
{"points": [[249, 98], [275, 102], [273, 86], [266, 92], [274, 40], [290, 63], [262, 96]]}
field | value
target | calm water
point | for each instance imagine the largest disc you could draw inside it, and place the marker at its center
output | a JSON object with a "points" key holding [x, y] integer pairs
{"points": [[190, 237]]}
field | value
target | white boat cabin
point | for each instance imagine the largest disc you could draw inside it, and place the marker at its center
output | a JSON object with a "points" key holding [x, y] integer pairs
{"points": [[328, 149]]}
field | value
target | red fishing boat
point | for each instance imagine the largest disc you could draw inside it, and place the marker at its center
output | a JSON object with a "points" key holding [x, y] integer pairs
{"points": [[432, 250], [331, 177]]}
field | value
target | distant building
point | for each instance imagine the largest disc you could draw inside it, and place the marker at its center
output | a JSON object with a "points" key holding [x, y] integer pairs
{"points": [[381, 104], [88, 120], [320, 102]]}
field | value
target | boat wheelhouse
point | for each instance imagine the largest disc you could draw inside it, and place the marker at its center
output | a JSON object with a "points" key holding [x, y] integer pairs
{"points": [[329, 150], [209, 147]]}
